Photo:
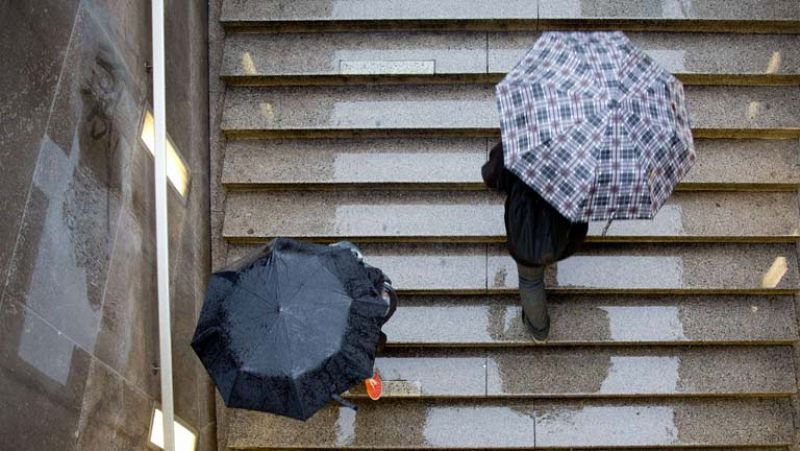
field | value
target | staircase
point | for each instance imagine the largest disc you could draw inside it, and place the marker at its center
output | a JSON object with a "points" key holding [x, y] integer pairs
{"points": [[369, 120]]}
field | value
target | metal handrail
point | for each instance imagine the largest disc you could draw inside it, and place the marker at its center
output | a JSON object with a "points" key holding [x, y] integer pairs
{"points": [[162, 233]]}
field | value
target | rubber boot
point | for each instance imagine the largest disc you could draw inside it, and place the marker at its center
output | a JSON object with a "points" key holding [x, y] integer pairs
{"points": [[534, 301]]}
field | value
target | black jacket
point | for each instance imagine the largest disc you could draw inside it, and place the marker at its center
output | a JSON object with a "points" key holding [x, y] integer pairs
{"points": [[537, 234]]}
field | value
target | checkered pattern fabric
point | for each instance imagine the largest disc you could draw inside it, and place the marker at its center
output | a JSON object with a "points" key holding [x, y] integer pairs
{"points": [[595, 126]]}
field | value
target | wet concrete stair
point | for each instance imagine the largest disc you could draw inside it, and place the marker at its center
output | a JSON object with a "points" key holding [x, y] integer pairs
{"points": [[263, 59], [772, 16], [478, 216], [449, 164], [369, 120], [470, 110]]}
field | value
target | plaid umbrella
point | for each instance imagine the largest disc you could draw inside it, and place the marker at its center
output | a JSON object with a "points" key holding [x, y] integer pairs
{"points": [[595, 126]]}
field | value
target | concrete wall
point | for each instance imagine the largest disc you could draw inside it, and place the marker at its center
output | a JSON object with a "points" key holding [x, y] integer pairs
{"points": [[78, 317]]}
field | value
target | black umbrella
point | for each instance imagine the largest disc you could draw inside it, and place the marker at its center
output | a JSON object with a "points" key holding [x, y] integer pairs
{"points": [[291, 327]]}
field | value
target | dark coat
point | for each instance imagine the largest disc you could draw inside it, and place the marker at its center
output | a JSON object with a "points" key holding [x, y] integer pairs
{"points": [[537, 234]]}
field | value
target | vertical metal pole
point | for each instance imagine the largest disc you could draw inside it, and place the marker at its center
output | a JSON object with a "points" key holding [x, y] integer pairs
{"points": [[162, 234]]}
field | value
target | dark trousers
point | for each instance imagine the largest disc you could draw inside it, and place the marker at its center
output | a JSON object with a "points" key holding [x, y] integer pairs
{"points": [[531, 290]]}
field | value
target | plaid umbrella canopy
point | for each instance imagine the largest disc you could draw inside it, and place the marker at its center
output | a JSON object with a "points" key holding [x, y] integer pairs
{"points": [[595, 126]]}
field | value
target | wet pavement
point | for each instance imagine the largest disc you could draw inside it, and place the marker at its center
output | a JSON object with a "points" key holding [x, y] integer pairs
{"points": [[595, 319], [478, 216], [668, 9], [674, 268], [506, 423], [322, 11], [452, 164], [593, 372], [267, 56], [471, 110]]}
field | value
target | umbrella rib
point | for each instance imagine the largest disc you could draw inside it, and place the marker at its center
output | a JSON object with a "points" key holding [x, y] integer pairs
{"points": [[253, 293], [289, 342], [272, 270], [305, 282], [299, 287], [598, 74], [334, 276], [593, 65]]}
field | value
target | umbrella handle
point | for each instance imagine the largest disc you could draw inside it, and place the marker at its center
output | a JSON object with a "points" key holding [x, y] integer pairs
{"points": [[608, 224], [344, 402], [392, 299]]}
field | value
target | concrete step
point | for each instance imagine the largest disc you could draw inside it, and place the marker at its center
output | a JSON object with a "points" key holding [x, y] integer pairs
{"points": [[578, 320], [704, 448], [743, 16], [469, 57], [707, 371], [439, 110], [700, 58], [699, 268], [502, 424], [453, 164], [440, 216]]}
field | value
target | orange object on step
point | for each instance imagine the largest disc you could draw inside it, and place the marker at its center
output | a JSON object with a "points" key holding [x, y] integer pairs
{"points": [[374, 386]]}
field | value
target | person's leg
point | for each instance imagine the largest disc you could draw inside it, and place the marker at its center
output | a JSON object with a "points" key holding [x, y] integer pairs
{"points": [[531, 289]]}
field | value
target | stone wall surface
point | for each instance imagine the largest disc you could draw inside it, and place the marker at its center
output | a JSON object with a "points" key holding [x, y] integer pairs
{"points": [[78, 312]]}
